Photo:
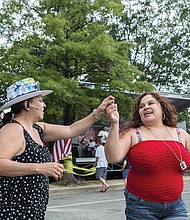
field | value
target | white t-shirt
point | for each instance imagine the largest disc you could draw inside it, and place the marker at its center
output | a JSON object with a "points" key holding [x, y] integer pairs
{"points": [[100, 153], [104, 135], [92, 144]]}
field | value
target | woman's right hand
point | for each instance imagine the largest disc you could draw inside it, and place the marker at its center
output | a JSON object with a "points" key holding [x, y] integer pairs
{"points": [[53, 169], [112, 113]]}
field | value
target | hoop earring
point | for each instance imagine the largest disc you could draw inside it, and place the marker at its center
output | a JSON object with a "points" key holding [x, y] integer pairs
{"points": [[163, 116]]}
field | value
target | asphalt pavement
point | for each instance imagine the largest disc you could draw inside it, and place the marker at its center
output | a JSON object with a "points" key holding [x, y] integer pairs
{"points": [[85, 202], [92, 184]]}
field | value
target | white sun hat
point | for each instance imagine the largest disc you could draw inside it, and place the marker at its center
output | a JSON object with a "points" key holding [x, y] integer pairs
{"points": [[22, 90]]}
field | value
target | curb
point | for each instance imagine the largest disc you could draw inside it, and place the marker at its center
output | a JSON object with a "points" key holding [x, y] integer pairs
{"points": [[88, 185]]}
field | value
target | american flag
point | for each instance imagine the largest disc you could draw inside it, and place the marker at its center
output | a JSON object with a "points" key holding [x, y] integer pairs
{"points": [[61, 148]]}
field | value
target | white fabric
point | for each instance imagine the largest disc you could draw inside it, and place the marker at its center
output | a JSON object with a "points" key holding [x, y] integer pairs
{"points": [[100, 153], [92, 144], [104, 135]]}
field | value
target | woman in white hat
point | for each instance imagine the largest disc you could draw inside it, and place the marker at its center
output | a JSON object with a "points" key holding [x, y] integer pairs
{"points": [[25, 161]]}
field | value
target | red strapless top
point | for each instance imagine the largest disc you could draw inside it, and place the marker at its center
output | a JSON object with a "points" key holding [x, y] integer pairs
{"points": [[155, 174]]}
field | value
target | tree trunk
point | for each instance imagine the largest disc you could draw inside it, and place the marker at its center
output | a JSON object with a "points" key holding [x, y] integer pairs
{"points": [[68, 177]]}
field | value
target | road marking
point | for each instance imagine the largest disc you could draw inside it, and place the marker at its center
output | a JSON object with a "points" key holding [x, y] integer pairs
{"points": [[187, 192], [83, 203], [95, 202]]}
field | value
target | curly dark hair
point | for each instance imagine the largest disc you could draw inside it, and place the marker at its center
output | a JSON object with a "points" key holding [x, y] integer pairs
{"points": [[167, 107]]}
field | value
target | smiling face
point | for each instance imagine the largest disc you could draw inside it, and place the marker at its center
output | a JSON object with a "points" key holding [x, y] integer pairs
{"points": [[150, 110]]}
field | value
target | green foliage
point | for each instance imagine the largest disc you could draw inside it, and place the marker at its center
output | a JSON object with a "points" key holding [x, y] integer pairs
{"points": [[67, 47], [185, 116], [159, 31]]}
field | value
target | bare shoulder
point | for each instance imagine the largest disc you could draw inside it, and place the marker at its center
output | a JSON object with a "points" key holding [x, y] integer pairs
{"points": [[128, 135], [11, 139], [128, 140], [11, 129]]}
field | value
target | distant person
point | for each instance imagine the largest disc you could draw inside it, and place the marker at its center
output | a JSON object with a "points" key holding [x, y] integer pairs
{"points": [[125, 170], [103, 134], [90, 148], [101, 165], [82, 144], [25, 161]]}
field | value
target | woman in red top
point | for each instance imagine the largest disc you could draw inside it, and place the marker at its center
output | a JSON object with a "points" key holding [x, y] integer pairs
{"points": [[158, 152]]}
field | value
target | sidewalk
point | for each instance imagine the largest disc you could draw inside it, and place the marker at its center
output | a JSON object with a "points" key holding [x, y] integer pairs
{"points": [[94, 184], [88, 184]]}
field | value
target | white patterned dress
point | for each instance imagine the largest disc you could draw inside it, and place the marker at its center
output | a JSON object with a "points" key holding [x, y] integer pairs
{"points": [[26, 197]]}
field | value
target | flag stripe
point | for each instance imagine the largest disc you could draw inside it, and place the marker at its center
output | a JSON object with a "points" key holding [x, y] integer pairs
{"points": [[67, 149], [61, 148]]}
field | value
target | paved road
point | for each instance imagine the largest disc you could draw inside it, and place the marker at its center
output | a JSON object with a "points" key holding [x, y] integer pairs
{"points": [[87, 203]]}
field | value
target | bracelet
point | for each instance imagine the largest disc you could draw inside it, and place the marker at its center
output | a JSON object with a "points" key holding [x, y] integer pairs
{"points": [[95, 115]]}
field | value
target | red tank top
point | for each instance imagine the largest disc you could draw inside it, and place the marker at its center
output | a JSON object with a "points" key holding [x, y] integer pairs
{"points": [[155, 174]]}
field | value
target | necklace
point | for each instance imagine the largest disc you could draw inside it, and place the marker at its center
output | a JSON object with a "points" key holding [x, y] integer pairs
{"points": [[182, 163]]}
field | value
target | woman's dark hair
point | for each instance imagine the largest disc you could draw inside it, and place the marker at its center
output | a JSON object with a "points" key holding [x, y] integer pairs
{"points": [[167, 108], [6, 118], [15, 109]]}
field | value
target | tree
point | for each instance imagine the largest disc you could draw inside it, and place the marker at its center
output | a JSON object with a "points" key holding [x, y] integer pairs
{"points": [[159, 31], [66, 45]]}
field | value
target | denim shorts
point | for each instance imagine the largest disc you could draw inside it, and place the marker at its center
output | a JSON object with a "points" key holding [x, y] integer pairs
{"points": [[125, 173], [139, 209]]}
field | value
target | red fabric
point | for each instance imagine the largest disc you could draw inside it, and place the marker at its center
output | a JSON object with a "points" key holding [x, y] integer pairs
{"points": [[155, 174], [61, 148]]}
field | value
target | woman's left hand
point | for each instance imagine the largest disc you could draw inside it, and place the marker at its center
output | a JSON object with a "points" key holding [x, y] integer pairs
{"points": [[112, 113]]}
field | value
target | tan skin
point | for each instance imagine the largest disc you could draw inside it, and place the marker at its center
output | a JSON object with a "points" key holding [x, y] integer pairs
{"points": [[150, 112], [12, 141]]}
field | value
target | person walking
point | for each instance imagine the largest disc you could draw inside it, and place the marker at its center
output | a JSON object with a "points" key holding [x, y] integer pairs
{"points": [[25, 161], [158, 153], [101, 165], [125, 170]]}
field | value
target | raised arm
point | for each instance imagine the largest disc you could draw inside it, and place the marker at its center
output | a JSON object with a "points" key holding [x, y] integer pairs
{"points": [[186, 139], [116, 147], [55, 132]]}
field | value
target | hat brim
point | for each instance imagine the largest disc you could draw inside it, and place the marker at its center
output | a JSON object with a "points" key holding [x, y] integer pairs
{"points": [[25, 97]]}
